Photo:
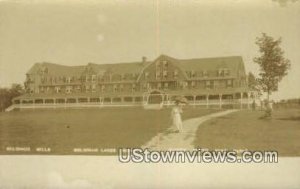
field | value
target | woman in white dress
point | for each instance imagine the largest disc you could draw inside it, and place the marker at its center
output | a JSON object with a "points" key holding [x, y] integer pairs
{"points": [[176, 116]]}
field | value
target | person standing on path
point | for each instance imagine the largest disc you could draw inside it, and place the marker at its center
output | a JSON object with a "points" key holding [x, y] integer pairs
{"points": [[176, 116]]}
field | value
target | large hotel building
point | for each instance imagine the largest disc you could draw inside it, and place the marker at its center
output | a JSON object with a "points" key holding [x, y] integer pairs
{"points": [[219, 82]]}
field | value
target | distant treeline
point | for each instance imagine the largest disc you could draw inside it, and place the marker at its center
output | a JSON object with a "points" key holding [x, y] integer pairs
{"points": [[289, 103], [7, 94]]}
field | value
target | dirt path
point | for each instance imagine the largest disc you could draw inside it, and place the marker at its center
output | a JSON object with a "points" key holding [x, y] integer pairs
{"points": [[184, 140]]}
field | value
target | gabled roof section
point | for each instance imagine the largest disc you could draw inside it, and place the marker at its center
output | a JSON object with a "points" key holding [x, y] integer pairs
{"points": [[57, 69], [122, 68], [231, 62]]}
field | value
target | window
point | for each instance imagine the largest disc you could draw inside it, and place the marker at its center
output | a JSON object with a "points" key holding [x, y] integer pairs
{"points": [[223, 72], [133, 87], [93, 88], [87, 88], [57, 89], [193, 84], [69, 80], [193, 73], [157, 75], [226, 72], [121, 87], [115, 88], [68, 89], [208, 84], [205, 73], [146, 75], [165, 63], [229, 83], [78, 88], [175, 73], [166, 85], [216, 84], [165, 74], [103, 88], [94, 78], [123, 77], [159, 85]]}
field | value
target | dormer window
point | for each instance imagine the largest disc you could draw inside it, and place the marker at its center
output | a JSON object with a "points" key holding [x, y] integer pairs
{"points": [[223, 72], [165, 63], [193, 73], [226, 72], [69, 80], [123, 77]]}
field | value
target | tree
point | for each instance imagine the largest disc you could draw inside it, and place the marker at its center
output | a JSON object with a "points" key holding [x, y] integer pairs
{"points": [[273, 65], [7, 94]]}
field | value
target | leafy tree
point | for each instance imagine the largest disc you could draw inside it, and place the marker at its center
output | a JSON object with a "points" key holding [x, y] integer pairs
{"points": [[7, 94], [273, 65]]}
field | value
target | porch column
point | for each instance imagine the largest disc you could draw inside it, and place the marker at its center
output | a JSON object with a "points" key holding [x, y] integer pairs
{"points": [[207, 96], [194, 98], [111, 100], [220, 100]]}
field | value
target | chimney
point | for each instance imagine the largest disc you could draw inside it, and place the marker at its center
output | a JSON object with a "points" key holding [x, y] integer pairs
{"points": [[144, 59]]}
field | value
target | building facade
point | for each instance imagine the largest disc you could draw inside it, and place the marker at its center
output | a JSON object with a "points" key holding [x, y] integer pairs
{"points": [[220, 81]]}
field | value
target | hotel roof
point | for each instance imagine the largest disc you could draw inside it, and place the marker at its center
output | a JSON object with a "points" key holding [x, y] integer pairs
{"points": [[233, 63]]}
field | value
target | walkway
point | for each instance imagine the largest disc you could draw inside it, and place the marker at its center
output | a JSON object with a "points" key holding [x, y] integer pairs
{"points": [[184, 140]]}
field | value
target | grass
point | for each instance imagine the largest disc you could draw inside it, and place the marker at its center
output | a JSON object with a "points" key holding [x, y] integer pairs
{"points": [[247, 130], [65, 129]]}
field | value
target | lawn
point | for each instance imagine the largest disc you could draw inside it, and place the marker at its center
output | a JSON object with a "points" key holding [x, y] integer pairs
{"points": [[65, 129], [247, 130]]}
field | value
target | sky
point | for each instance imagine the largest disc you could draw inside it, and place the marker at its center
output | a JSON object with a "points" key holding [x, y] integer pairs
{"points": [[78, 32]]}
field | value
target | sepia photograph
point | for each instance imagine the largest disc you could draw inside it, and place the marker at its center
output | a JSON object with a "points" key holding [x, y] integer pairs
{"points": [[158, 81]]}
